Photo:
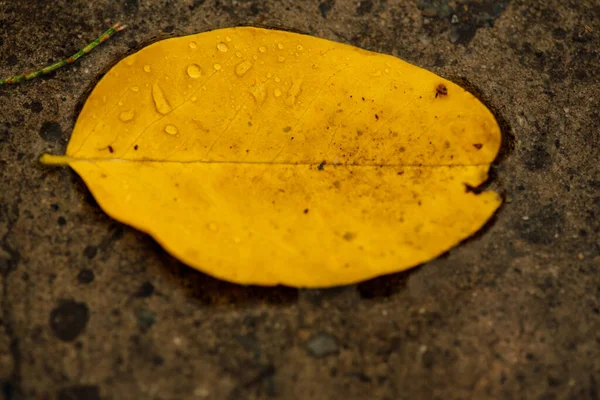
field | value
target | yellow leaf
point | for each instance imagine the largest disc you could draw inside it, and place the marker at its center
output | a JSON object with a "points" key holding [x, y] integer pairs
{"points": [[268, 157]]}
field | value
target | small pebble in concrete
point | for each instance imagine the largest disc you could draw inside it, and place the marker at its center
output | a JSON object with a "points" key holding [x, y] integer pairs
{"points": [[322, 344]]}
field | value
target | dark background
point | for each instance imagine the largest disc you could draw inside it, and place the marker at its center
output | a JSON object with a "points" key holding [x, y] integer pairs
{"points": [[92, 309]]}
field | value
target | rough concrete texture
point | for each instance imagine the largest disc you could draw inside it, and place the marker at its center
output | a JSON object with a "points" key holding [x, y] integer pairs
{"points": [[92, 309]]}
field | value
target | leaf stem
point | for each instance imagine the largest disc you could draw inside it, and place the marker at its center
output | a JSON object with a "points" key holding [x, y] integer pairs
{"points": [[50, 159], [46, 70]]}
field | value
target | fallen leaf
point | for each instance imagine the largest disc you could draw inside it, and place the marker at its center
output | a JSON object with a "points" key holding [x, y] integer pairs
{"points": [[268, 157]]}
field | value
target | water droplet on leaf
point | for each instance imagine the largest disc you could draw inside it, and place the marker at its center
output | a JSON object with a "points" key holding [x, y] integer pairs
{"points": [[217, 66], [126, 116], [171, 129], [160, 101], [147, 68], [262, 49], [193, 45], [222, 47], [242, 68], [194, 71]]}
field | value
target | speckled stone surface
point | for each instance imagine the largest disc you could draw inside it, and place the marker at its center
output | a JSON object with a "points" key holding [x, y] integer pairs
{"points": [[92, 309]]}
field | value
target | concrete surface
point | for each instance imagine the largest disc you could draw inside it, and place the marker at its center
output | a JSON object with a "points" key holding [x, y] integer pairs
{"points": [[91, 309]]}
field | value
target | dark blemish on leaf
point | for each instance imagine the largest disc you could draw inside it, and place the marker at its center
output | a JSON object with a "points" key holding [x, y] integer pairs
{"points": [[287, 129], [68, 320], [54, 207], [110, 149], [377, 117], [400, 173], [51, 132], [363, 99], [80, 392], [473, 189], [249, 123], [90, 251], [135, 147], [306, 211], [359, 132], [349, 236], [478, 146], [146, 290], [441, 90], [85, 276], [322, 165], [401, 149], [61, 221]]}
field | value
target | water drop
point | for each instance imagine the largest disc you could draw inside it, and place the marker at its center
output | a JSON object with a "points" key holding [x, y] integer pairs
{"points": [[269, 75], [293, 92], [120, 103], [277, 92], [259, 93], [222, 47], [160, 101], [194, 71], [130, 60], [387, 71], [194, 98], [217, 66], [228, 38], [193, 45], [299, 47], [277, 79], [147, 68], [279, 46], [281, 58], [213, 226], [127, 115], [262, 49], [134, 88], [171, 129], [242, 68], [255, 57], [238, 54]]}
